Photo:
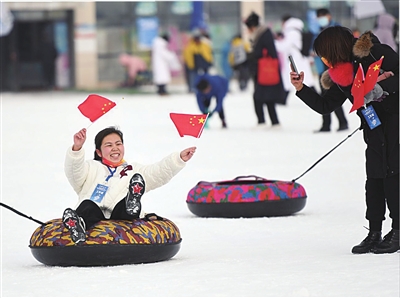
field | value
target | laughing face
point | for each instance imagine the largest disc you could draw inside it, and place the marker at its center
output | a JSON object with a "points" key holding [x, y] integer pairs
{"points": [[112, 148]]}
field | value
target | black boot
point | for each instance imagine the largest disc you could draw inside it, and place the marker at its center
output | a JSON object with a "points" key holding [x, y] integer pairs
{"points": [[373, 239], [75, 225], [390, 243], [136, 190]]}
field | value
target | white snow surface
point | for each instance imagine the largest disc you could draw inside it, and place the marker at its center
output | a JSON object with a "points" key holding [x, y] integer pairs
{"points": [[305, 254]]}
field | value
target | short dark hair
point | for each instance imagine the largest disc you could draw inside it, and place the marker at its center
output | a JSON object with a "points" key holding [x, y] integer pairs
{"points": [[253, 20], [322, 12], [286, 17], [165, 36], [335, 44], [202, 85], [102, 134]]}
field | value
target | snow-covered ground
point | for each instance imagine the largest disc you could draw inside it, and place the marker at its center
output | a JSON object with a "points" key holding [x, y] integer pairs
{"points": [[307, 254]]}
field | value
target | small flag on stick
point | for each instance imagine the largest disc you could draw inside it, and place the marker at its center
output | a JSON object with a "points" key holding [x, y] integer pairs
{"points": [[372, 75], [189, 125], [95, 106], [362, 85], [357, 90]]}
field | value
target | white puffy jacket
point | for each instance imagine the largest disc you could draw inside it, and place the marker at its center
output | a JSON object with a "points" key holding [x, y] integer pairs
{"points": [[163, 62], [291, 45], [85, 175]]}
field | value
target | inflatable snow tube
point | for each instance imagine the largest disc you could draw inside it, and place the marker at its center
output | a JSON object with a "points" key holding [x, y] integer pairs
{"points": [[246, 196], [108, 243]]}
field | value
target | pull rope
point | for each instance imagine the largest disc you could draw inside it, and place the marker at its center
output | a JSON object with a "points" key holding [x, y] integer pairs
{"points": [[21, 214], [319, 160]]}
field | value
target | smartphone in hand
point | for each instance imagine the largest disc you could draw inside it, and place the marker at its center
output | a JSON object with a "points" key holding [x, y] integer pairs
{"points": [[293, 65]]}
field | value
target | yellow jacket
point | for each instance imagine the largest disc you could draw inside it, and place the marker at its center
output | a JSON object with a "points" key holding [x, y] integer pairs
{"points": [[192, 48], [237, 41]]}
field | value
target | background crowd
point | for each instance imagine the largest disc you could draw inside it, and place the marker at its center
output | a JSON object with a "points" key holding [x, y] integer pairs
{"points": [[240, 57]]}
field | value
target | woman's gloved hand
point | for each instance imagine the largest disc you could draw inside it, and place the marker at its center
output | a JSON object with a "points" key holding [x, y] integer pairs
{"points": [[376, 94]]}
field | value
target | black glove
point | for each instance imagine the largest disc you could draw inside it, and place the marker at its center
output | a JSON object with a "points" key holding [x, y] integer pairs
{"points": [[376, 94]]}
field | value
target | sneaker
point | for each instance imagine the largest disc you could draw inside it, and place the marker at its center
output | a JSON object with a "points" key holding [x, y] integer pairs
{"points": [[390, 243], [75, 225], [136, 190], [369, 243]]}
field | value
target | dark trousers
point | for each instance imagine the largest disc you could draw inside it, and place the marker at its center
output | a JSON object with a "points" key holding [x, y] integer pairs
{"points": [[327, 119], [259, 107], [91, 212], [378, 193], [243, 76], [221, 113]]}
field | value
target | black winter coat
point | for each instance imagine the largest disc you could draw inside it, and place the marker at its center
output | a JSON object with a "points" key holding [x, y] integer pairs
{"points": [[264, 40], [382, 153]]}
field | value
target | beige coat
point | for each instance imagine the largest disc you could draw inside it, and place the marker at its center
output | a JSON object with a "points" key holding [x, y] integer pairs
{"points": [[85, 175]]}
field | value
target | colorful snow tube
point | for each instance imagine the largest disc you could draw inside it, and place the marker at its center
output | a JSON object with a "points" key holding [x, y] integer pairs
{"points": [[246, 196], [108, 243]]}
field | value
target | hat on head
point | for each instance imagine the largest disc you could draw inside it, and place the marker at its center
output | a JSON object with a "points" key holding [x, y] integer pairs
{"points": [[253, 20], [196, 32]]}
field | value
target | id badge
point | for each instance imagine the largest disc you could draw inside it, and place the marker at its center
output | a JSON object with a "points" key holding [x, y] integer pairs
{"points": [[371, 117], [99, 193]]}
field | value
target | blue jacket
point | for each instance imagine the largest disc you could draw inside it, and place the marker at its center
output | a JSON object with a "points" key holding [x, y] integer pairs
{"points": [[219, 88]]}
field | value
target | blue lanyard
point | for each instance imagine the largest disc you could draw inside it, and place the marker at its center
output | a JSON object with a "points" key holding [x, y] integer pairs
{"points": [[111, 173]]}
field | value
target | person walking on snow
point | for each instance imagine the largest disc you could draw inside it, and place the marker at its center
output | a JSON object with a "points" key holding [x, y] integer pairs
{"points": [[163, 62], [262, 38], [325, 20], [291, 44], [386, 30]]}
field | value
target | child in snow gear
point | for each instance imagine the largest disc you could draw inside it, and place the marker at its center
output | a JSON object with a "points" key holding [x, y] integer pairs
{"points": [[108, 187], [238, 59], [207, 87]]}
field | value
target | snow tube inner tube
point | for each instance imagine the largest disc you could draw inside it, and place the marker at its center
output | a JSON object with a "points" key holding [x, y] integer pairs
{"points": [[108, 243], [246, 196]]}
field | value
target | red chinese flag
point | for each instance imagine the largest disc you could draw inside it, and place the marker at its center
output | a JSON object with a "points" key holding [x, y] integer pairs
{"points": [[372, 75], [95, 106], [357, 90], [189, 125]]}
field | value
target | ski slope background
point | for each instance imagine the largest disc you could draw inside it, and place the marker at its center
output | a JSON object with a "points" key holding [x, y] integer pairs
{"points": [[307, 254]]}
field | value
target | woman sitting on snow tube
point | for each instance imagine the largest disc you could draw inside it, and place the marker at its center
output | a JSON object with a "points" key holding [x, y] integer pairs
{"points": [[108, 187]]}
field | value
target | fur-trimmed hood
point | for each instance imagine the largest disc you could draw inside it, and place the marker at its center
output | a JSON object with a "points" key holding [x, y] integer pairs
{"points": [[362, 48]]}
